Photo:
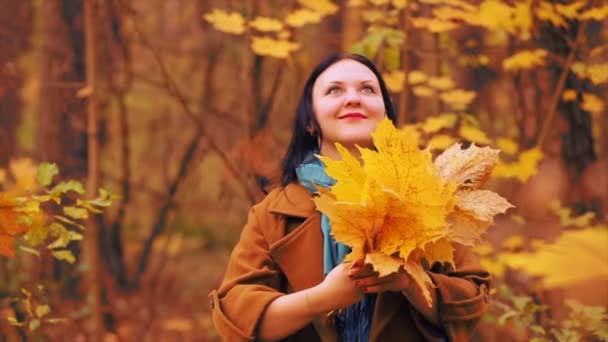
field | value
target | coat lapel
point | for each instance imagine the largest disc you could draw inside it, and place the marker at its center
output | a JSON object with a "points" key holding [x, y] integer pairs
{"points": [[299, 253], [387, 305]]}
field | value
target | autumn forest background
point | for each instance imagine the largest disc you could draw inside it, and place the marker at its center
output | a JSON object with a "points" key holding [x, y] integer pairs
{"points": [[135, 135]]}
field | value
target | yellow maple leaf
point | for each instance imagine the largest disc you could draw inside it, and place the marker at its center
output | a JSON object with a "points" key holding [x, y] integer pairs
{"points": [[469, 168], [495, 14], [422, 91], [522, 18], [458, 97], [394, 80], [436, 123], [302, 16], [582, 253], [399, 4], [507, 145], [265, 24], [570, 11], [598, 73], [266, 46], [416, 77], [592, 103], [566, 218], [474, 134], [526, 59], [400, 208], [323, 7], [441, 83], [523, 168], [440, 142], [595, 13], [232, 23]]}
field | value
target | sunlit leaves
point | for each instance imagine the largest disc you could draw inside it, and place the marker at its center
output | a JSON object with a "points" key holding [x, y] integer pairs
{"points": [[416, 77], [458, 97], [526, 59], [595, 13], [394, 80], [400, 208], [524, 167], [592, 103], [582, 252], [302, 16], [45, 173], [566, 218], [266, 46], [232, 23], [265, 24], [324, 7]]}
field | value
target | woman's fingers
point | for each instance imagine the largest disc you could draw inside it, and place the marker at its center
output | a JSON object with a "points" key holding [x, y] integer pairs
{"points": [[361, 271]]}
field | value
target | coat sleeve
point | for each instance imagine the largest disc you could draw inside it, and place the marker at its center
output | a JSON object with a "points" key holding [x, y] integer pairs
{"points": [[462, 296], [252, 280]]}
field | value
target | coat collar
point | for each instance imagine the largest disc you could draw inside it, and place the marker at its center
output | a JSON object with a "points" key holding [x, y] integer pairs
{"points": [[293, 200]]}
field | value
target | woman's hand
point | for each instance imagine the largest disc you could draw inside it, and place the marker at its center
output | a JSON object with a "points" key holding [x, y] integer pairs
{"points": [[396, 281]]}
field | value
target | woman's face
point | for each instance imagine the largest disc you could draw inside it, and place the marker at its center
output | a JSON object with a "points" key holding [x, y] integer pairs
{"points": [[348, 105]]}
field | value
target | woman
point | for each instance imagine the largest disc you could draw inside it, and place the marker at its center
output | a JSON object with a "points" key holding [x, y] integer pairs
{"points": [[285, 278]]}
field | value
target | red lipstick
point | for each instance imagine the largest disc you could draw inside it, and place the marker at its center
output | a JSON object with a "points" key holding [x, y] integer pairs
{"points": [[354, 115]]}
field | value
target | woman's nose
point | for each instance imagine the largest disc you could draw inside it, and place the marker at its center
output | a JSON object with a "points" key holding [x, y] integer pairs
{"points": [[352, 97]]}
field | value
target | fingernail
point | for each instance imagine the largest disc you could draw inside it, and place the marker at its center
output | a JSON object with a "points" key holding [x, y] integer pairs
{"points": [[357, 283]]}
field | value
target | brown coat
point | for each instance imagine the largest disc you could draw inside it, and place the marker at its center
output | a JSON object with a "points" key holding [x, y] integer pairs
{"points": [[281, 250]]}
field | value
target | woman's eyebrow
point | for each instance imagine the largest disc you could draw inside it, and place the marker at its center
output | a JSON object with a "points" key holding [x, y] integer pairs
{"points": [[340, 82]]}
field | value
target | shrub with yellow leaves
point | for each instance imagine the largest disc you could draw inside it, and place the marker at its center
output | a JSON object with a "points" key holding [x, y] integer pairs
{"points": [[402, 209]]}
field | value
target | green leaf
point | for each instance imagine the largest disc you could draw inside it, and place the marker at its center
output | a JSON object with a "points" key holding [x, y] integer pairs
{"points": [[64, 255], [34, 324], [392, 58], [520, 302], [504, 317], [538, 329], [46, 172], [29, 250], [42, 310], [76, 213], [70, 185]]}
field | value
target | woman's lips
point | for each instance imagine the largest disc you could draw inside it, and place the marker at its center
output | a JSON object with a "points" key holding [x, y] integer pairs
{"points": [[353, 116]]}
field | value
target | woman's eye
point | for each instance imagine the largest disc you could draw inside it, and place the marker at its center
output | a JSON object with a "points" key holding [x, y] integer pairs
{"points": [[368, 89], [334, 91]]}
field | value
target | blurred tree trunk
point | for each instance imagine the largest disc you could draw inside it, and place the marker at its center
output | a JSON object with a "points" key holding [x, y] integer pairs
{"points": [[61, 129], [92, 238], [15, 31]]}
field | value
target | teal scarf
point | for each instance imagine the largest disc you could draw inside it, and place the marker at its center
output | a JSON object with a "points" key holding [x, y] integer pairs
{"points": [[355, 323]]}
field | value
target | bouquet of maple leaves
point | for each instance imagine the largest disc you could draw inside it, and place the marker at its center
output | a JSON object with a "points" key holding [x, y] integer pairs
{"points": [[402, 209]]}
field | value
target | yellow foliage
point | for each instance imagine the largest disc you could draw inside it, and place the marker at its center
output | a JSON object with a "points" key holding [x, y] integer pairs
{"points": [[265, 24], [441, 83], [525, 60], [570, 11], [458, 97], [433, 124], [474, 134], [546, 11], [495, 14], [523, 168], [379, 2], [576, 256], [355, 3], [394, 80], [416, 77], [440, 142], [399, 4], [323, 7], [596, 13], [400, 207], [598, 73], [507, 145], [266, 46], [232, 23], [569, 95], [433, 25], [522, 18], [565, 215], [302, 16], [592, 103], [422, 91]]}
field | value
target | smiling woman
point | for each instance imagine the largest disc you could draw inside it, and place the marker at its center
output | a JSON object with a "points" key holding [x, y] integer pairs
{"points": [[286, 278]]}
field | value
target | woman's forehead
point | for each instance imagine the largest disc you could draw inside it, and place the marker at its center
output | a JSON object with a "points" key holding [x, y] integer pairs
{"points": [[346, 71]]}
